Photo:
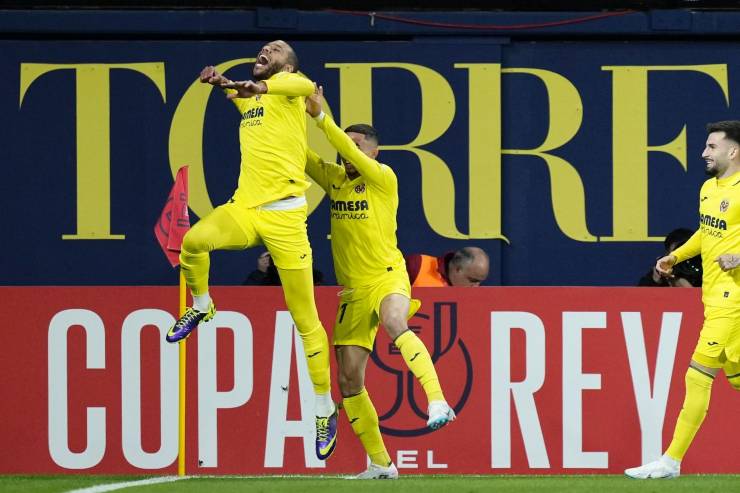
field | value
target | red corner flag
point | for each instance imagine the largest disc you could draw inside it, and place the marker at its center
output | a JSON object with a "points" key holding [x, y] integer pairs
{"points": [[174, 221]]}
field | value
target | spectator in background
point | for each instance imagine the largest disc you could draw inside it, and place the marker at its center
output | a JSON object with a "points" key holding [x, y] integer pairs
{"points": [[265, 274], [465, 267], [685, 275]]}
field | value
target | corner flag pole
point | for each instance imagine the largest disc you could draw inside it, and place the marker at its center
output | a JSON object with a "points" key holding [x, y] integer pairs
{"points": [[170, 229], [183, 373]]}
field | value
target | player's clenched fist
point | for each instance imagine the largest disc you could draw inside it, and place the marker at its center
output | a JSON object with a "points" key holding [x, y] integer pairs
{"points": [[664, 265], [209, 75]]}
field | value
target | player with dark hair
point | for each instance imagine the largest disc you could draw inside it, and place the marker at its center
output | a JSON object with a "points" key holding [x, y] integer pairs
{"points": [[718, 347], [268, 208], [371, 269]]}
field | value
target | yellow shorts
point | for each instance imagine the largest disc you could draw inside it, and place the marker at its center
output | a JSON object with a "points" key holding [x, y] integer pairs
{"points": [[358, 315], [283, 233], [719, 339]]}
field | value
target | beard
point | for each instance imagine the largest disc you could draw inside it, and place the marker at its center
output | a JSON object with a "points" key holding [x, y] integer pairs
{"points": [[713, 171], [271, 69]]}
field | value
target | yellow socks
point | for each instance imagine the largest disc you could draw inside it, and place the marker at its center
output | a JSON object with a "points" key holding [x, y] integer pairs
{"points": [[417, 358], [298, 291], [316, 348], [195, 268], [364, 420], [695, 405]]}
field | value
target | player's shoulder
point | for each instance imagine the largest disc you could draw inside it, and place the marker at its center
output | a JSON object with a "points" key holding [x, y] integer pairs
{"points": [[388, 173], [288, 75], [386, 169]]}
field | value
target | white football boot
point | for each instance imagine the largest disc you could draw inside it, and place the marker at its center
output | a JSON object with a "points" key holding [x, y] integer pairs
{"points": [[665, 467], [374, 471]]}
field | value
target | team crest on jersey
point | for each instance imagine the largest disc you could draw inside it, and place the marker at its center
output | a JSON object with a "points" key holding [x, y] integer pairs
{"points": [[724, 205], [360, 188]]}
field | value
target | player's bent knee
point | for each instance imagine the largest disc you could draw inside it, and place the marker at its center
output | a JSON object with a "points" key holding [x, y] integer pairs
{"points": [[350, 387], [351, 381], [197, 240], [395, 324]]}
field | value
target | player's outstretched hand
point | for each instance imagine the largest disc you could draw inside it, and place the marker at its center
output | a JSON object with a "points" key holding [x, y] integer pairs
{"points": [[209, 75], [313, 102], [664, 265], [728, 261], [244, 88]]}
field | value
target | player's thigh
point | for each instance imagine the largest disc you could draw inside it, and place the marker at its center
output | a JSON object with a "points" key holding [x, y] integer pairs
{"points": [[719, 326], [227, 227], [356, 323], [393, 302], [285, 236]]}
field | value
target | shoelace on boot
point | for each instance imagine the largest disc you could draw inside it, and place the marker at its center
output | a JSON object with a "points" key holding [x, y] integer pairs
{"points": [[190, 316], [322, 429]]}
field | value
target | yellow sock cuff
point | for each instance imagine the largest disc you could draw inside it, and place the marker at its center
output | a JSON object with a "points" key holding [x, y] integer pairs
{"points": [[403, 338], [699, 377]]}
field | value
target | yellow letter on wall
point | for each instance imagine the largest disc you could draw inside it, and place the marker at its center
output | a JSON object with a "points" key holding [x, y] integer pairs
{"points": [[437, 113], [484, 149], [630, 145], [566, 114], [93, 137]]}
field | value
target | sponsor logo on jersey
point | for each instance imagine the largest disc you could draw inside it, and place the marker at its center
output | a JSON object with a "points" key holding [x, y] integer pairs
{"points": [[349, 205], [254, 113], [712, 221]]}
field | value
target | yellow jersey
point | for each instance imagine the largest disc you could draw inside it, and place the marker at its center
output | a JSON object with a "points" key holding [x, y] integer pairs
{"points": [[363, 211], [718, 233], [272, 137]]}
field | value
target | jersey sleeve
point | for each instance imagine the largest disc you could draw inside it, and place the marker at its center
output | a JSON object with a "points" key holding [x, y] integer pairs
{"points": [[368, 167], [240, 103], [289, 84], [691, 248], [320, 171]]}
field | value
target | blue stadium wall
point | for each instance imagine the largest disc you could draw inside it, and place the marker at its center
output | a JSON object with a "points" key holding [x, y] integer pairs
{"points": [[567, 147]]}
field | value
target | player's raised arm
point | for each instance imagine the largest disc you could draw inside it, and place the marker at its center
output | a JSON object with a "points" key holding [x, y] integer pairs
{"points": [[368, 167], [320, 171]]}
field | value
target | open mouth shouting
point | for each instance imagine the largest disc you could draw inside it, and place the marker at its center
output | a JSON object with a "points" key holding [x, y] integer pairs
{"points": [[262, 62]]}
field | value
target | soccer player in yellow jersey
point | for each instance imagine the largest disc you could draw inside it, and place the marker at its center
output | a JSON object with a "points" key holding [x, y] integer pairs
{"points": [[372, 271], [719, 340], [268, 208]]}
